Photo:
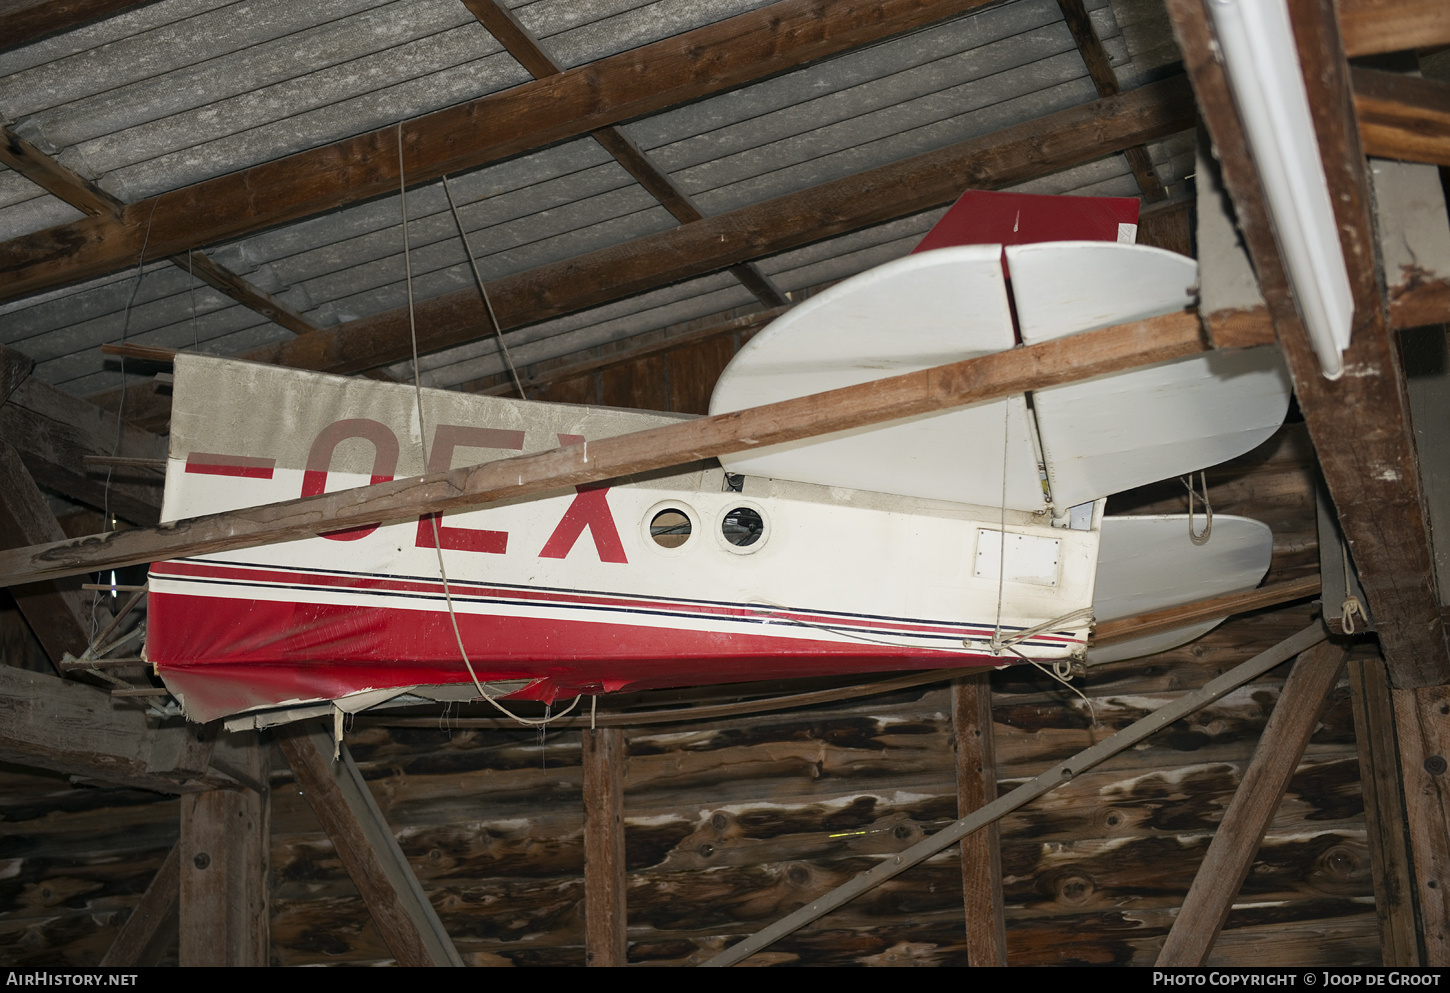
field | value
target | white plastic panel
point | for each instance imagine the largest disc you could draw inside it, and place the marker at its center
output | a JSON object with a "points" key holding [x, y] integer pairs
{"points": [[1149, 563], [1025, 558], [920, 311]]}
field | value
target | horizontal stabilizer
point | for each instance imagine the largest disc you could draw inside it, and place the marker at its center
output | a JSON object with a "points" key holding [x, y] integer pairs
{"points": [[1150, 563], [917, 312], [1092, 438]]}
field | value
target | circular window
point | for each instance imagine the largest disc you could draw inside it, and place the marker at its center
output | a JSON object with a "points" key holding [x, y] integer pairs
{"points": [[670, 528], [742, 527]]}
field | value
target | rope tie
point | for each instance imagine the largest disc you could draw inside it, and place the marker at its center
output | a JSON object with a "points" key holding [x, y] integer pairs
{"points": [[1198, 537]]}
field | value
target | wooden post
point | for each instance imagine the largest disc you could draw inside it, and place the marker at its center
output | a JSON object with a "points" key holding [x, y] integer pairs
{"points": [[982, 850], [367, 849], [1422, 718], [224, 847], [1239, 835], [605, 909], [1384, 811]]}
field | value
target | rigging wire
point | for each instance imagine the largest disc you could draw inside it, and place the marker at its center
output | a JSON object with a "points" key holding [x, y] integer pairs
{"points": [[483, 292], [423, 443], [106, 519]]}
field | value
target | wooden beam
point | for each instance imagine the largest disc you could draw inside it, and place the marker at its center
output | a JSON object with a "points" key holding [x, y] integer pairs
{"points": [[1033, 148], [1374, 27], [523, 46], [675, 70], [975, 380], [84, 195], [982, 850], [68, 727], [367, 848], [225, 841], [747, 324], [154, 921], [1420, 305], [1386, 831], [206, 269], [1403, 117], [1236, 842], [605, 907], [54, 432], [15, 368], [1157, 621], [1422, 722], [1059, 773], [24, 21], [56, 611], [1360, 423], [1100, 69], [56, 179]]}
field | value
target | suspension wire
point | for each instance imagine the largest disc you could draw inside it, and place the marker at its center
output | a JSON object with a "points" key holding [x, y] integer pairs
{"points": [[106, 520], [1002, 525], [483, 292], [423, 442]]}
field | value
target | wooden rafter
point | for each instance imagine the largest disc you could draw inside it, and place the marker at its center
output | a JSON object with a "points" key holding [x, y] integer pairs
{"points": [[1386, 832], [69, 727], [1014, 154], [697, 63], [524, 47], [24, 21], [576, 102], [1422, 724], [988, 377], [85, 196], [224, 854], [1011, 155], [153, 924], [747, 324], [55, 611], [1100, 69], [1359, 423]]}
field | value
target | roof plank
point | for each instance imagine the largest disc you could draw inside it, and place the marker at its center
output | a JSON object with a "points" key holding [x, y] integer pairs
{"points": [[708, 60], [1023, 151]]}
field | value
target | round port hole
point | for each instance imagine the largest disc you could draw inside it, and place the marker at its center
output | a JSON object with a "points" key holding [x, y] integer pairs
{"points": [[670, 528]]}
